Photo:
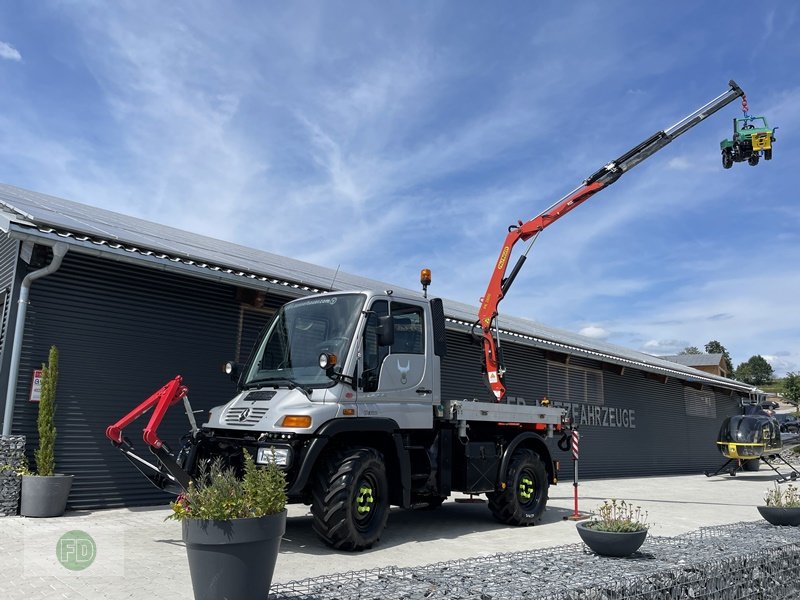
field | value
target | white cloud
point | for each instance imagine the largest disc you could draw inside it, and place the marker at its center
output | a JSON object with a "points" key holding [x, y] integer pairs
{"points": [[594, 332], [8, 52]]}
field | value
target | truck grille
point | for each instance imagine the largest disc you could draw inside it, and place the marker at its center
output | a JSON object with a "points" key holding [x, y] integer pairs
{"points": [[246, 416]]}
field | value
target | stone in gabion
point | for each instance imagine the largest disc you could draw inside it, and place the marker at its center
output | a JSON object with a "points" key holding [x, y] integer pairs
{"points": [[12, 457], [742, 561]]}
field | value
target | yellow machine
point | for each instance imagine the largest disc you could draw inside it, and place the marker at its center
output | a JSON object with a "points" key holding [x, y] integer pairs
{"points": [[747, 440]]}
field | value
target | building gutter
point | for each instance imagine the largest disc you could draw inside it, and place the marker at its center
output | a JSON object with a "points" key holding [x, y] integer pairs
{"points": [[59, 250]]}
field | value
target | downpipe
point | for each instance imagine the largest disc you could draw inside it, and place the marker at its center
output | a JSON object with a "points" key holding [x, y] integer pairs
{"points": [[59, 250]]}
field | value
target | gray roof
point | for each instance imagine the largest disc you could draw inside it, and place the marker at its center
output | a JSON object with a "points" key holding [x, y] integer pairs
{"points": [[33, 216], [695, 360]]}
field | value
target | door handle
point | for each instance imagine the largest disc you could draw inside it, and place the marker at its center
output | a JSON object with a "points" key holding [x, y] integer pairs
{"points": [[424, 391]]}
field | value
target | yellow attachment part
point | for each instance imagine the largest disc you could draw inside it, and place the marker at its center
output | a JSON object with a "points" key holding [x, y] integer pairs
{"points": [[761, 141], [732, 450]]}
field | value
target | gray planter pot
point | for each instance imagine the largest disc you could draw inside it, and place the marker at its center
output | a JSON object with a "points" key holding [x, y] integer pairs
{"points": [[780, 516], [233, 559], [44, 496], [611, 543]]}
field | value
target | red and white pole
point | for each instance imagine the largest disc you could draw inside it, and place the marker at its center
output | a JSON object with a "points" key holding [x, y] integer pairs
{"points": [[575, 443]]}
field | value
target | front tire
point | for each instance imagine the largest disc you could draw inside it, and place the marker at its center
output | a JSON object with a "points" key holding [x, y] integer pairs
{"points": [[727, 159], [350, 499], [524, 499], [753, 160]]}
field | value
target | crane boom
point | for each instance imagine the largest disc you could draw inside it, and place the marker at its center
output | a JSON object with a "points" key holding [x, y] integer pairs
{"points": [[499, 283]]}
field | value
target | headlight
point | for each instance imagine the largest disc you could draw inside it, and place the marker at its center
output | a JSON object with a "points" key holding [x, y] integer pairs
{"points": [[280, 455]]}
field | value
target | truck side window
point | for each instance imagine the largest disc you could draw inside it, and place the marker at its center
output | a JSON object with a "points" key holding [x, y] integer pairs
{"points": [[373, 354], [409, 331]]}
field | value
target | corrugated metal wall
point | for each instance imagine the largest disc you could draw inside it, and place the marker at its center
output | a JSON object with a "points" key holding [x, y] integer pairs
{"points": [[8, 261], [630, 424], [122, 332]]}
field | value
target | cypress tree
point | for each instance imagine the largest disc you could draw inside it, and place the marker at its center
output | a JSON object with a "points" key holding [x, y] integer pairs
{"points": [[45, 454]]}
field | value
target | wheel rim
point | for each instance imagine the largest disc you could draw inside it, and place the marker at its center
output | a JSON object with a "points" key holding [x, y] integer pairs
{"points": [[526, 489], [365, 501]]}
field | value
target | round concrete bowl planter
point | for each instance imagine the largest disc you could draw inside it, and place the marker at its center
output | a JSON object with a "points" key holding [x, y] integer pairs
{"points": [[44, 496], [780, 515], [233, 559], [611, 543]]}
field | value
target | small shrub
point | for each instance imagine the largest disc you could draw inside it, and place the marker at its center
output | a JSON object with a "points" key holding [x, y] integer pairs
{"points": [[219, 494], [619, 516], [783, 498]]}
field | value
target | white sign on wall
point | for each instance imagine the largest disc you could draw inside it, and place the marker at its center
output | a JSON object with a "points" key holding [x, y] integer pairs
{"points": [[36, 386]]}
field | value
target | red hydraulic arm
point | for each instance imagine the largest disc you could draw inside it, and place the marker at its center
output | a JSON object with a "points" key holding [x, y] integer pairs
{"points": [[499, 283], [166, 473]]}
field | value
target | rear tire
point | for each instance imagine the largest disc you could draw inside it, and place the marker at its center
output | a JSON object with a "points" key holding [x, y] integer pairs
{"points": [[768, 154], [350, 499], [753, 160], [524, 499]]}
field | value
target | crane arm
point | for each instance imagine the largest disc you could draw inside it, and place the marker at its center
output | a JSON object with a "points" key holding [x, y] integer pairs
{"points": [[499, 283]]}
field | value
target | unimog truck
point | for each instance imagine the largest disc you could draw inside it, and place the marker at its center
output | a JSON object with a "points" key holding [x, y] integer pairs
{"points": [[343, 391]]}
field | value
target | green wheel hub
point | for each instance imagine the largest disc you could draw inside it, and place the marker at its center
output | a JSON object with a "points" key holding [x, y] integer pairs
{"points": [[364, 500], [526, 488]]}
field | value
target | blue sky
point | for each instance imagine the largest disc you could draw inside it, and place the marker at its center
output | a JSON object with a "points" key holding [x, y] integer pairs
{"points": [[385, 137]]}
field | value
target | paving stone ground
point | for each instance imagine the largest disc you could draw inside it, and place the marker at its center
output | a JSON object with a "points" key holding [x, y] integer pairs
{"points": [[140, 556]]}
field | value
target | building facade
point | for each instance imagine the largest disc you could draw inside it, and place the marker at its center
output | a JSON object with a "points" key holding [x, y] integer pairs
{"points": [[134, 303]]}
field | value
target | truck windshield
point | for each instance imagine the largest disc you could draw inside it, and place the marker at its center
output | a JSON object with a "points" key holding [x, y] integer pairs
{"points": [[299, 333]]}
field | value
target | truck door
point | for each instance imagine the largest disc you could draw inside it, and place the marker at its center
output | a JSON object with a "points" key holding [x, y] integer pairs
{"points": [[397, 381]]}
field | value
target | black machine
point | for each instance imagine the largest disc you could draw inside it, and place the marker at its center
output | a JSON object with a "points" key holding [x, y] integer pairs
{"points": [[749, 439]]}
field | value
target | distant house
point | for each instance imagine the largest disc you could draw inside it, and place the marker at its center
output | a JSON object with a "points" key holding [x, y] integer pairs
{"points": [[710, 363]]}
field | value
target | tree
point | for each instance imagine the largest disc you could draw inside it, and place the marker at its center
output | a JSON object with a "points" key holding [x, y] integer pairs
{"points": [[690, 350], [45, 422], [714, 347], [791, 388], [756, 371]]}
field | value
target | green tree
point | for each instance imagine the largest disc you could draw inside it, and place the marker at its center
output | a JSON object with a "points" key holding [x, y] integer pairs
{"points": [[690, 350], [756, 371], [45, 422], [714, 347], [791, 388]]}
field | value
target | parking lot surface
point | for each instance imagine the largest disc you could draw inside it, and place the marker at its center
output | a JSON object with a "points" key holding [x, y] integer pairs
{"points": [[139, 555]]}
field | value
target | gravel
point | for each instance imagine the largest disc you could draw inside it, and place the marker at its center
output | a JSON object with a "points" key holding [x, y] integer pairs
{"points": [[742, 561], [12, 457]]}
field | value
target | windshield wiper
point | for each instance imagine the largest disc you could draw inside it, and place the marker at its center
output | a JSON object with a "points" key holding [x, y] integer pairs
{"points": [[288, 381]]}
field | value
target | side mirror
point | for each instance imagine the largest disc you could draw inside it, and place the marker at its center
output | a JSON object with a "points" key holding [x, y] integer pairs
{"points": [[386, 330], [233, 370]]}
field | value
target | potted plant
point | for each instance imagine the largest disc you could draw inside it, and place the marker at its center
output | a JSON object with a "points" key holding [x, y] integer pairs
{"points": [[618, 529], [232, 529], [45, 492], [782, 505]]}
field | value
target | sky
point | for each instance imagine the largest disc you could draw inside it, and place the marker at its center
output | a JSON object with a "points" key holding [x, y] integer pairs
{"points": [[384, 137]]}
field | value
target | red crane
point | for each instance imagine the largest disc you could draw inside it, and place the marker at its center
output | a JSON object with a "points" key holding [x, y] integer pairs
{"points": [[499, 283]]}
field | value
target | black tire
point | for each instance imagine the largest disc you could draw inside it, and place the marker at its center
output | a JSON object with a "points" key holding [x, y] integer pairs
{"points": [[753, 160], [524, 499], [350, 499], [768, 154], [727, 159]]}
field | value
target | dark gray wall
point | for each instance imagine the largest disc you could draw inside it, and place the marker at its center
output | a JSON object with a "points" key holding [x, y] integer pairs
{"points": [[122, 332], [650, 431]]}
